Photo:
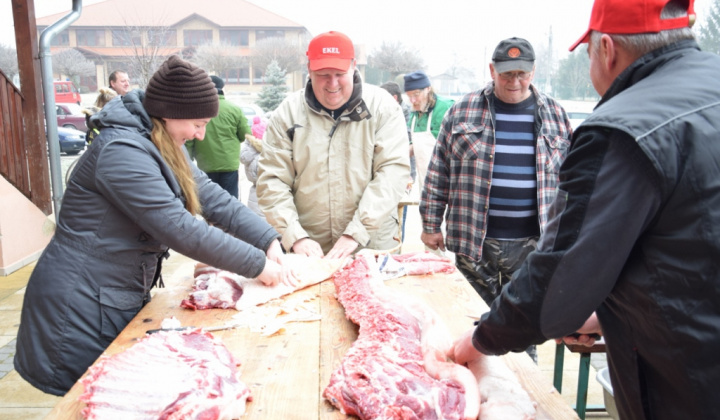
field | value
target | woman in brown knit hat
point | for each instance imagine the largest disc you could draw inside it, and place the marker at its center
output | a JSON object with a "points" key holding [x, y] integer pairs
{"points": [[133, 195]]}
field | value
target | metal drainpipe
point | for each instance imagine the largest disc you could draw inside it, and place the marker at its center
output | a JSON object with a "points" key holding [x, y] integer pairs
{"points": [[46, 38]]}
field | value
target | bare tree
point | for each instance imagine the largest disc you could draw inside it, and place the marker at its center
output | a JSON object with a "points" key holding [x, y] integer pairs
{"points": [[8, 61], [289, 55], [218, 58], [147, 48], [73, 64], [396, 58]]}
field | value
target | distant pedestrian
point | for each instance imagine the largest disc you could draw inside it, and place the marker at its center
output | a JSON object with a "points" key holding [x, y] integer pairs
{"points": [[219, 154], [394, 90], [104, 96], [249, 156], [119, 81], [428, 111]]}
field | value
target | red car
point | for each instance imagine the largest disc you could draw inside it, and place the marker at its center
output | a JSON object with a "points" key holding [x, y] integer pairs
{"points": [[70, 116]]}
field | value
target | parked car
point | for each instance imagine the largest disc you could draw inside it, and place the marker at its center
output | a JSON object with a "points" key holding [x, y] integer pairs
{"points": [[66, 92], [578, 111], [70, 116], [72, 141]]}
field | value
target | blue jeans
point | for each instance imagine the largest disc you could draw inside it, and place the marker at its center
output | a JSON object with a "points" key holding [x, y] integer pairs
{"points": [[227, 180]]}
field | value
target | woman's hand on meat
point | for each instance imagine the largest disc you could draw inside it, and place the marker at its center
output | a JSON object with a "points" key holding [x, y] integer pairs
{"points": [[463, 350], [275, 252], [275, 273], [307, 246], [342, 248]]}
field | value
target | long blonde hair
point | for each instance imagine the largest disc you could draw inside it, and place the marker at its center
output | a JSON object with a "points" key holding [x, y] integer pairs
{"points": [[175, 158]]}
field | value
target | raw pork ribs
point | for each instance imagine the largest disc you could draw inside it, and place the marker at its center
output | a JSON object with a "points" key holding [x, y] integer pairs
{"points": [[396, 369], [167, 375]]}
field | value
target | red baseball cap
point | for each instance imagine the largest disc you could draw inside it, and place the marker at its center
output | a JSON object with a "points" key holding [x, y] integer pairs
{"points": [[330, 50], [632, 17]]}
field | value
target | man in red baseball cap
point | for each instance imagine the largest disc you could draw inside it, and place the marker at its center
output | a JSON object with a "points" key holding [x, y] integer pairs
{"points": [[336, 159], [632, 250]]}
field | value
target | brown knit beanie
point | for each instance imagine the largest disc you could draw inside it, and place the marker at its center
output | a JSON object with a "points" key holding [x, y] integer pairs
{"points": [[181, 90]]}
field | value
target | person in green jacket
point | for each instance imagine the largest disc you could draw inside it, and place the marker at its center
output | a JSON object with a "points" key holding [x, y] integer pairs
{"points": [[428, 111], [219, 154]]}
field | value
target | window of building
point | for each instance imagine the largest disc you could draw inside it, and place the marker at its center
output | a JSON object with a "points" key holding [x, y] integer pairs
{"points": [[237, 76], [234, 37], [258, 77], [196, 37], [90, 37], [260, 35], [164, 37], [125, 38], [62, 39]]}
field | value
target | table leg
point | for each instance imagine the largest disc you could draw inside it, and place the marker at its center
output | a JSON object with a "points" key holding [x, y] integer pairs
{"points": [[583, 377], [558, 371]]}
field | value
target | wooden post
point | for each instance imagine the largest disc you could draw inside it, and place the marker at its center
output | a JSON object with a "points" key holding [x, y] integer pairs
{"points": [[26, 41]]}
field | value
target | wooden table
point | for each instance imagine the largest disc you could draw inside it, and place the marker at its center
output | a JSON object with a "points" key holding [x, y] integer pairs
{"points": [[287, 372]]}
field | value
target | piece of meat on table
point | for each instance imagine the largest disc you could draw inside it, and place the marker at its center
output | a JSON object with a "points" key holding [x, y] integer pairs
{"points": [[422, 263], [167, 375], [215, 288], [396, 369]]}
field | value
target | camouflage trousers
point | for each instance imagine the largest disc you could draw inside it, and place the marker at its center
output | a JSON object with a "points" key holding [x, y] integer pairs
{"points": [[500, 259]]}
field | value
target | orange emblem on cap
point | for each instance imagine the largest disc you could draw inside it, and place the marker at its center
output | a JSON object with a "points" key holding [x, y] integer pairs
{"points": [[514, 52]]}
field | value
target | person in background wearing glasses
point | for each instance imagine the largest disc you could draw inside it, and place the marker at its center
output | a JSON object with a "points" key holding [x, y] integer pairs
{"points": [[428, 111], [495, 171]]}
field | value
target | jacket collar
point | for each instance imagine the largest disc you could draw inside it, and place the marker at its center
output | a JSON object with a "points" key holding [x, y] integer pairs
{"points": [[645, 65], [355, 109], [125, 112]]}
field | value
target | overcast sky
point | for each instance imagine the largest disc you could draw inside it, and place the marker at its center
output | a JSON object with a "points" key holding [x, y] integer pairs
{"points": [[463, 32]]}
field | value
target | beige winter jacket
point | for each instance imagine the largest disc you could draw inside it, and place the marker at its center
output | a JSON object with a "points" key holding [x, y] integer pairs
{"points": [[321, 178]]}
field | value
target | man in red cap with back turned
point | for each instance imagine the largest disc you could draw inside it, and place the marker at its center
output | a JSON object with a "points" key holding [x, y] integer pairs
{"points": [[335, 162], [633, 249]]}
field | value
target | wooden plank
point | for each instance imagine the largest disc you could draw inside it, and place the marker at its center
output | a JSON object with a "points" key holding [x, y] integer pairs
{"points": [[33, 113]]}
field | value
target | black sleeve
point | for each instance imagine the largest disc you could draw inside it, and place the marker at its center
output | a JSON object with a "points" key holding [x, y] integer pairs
{"points": [[608, 195]]}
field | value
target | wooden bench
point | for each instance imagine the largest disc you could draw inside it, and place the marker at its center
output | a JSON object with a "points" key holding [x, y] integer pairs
{"points": [[581, 406]]}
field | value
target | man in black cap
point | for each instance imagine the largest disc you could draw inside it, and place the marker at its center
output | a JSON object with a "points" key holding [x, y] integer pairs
{"points": [[428, 111], [219, 154], [493, 173]]}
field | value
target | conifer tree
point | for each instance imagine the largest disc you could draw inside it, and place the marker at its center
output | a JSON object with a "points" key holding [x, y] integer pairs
{"points": [[708, 34], [275, 90]]}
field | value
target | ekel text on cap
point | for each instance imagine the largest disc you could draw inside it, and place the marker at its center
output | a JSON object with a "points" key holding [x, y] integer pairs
{"points": [[633, 17], [513, 54], [330, 50]]}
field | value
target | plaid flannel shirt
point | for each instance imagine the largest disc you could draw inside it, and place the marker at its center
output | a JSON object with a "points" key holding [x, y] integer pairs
{"points": [[460, 171]]}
